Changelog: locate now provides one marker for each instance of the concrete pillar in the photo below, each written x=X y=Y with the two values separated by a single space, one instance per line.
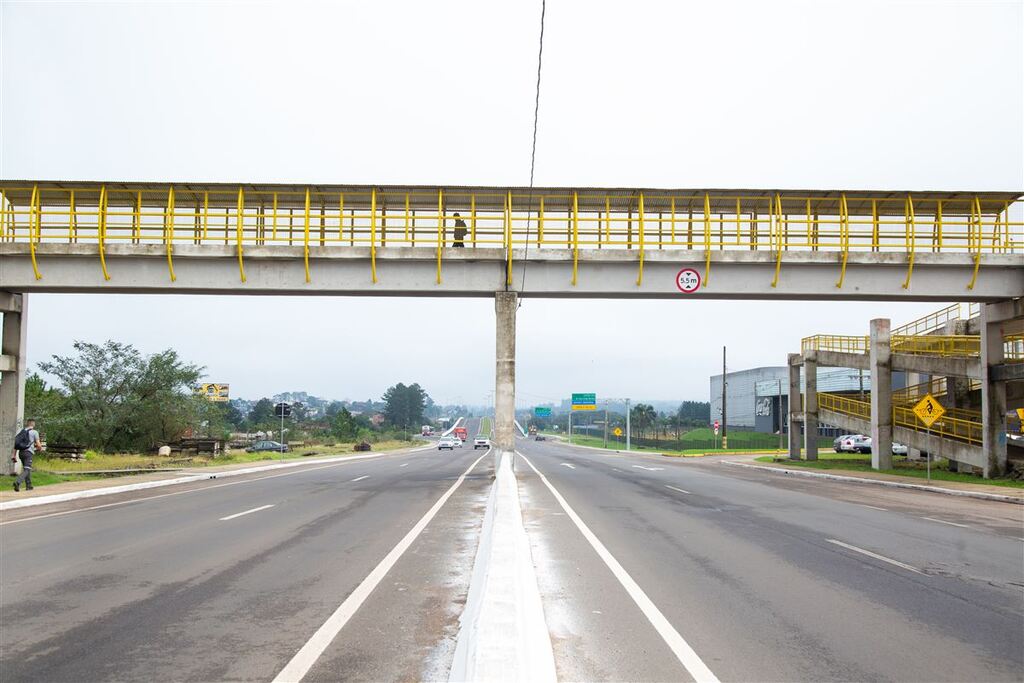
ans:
x=794 y=361
x=811 y=406
x=880 y=362
x=13 y=349
x=505 y=304
x=993 y=394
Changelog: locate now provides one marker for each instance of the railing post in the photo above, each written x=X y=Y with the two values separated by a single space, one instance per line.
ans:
x=880 y=362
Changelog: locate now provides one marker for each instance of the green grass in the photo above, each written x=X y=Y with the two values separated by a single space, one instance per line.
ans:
x=485 y=426
x=40 y=478
x=135 y=461
x=616 y=444
x=855 y=462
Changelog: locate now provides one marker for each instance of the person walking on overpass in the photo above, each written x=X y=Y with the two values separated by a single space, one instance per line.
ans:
x=26 y=444
x=460 y=231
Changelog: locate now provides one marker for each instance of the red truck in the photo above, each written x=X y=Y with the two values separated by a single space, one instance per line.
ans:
x=461 y=433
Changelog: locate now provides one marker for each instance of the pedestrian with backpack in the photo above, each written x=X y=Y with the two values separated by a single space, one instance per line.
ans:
x=26 y=444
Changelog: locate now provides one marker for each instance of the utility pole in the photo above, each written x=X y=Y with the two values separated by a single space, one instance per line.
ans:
x=725 y=421
x=570 y=424
x=606 y=425
x=627 y=425
x=779 y=382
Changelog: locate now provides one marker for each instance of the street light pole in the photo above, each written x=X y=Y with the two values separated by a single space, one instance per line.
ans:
x=628 y=432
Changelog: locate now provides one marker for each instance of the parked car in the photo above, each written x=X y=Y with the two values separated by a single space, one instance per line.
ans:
x=481 y=441
x=837 y=444
x=261 y=446
x=856 y=443
x=899 y=448
x=539 y=437
x=447 y=442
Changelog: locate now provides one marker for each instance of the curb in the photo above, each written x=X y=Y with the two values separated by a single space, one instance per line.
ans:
x=111 y=490
x=881 y=482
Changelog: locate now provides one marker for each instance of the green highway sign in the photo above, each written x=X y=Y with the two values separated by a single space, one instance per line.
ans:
x=542 y=412
x=584 y=401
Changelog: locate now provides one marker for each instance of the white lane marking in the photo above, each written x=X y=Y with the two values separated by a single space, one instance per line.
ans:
x=675 y=489
x=304 y=659
x=942 y=521
x=365 y=476
x=571 y=467
x=175 y=493
x=649 y=469
x=247 y=512
x=404 y=464
x=873 y=507
x=883 y=558
x=682 y=650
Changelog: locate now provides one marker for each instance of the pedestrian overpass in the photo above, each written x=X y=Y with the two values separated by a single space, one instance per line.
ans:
x=219 y=238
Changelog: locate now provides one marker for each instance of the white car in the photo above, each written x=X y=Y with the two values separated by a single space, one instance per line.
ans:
x=458 y=442
x=447 y=442
x=899 y=448
x=481 y=441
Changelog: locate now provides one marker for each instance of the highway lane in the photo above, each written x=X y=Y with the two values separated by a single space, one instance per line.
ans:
x=750 y=570
x=230 y=582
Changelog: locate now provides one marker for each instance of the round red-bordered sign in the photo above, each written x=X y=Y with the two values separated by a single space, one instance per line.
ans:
x=688 y=280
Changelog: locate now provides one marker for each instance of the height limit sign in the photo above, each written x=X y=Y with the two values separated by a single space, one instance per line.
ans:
x=688 y=280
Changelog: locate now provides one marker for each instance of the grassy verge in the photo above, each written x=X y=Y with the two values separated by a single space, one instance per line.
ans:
x=485 y=426
x=135 y=461
x=617 y=445
x=853 y=462
x=46 y=478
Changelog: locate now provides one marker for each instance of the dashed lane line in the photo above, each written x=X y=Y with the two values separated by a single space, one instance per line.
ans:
x=678 y=489
x=571 y=467
x=247 y=512
x=365 y=476
x=942 y=521
x=883 y=558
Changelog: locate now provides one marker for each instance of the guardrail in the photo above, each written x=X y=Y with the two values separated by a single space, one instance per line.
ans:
x=844 y=405
x=938 y=319
x=936 y=345
x=337 y=216
x=835 y=342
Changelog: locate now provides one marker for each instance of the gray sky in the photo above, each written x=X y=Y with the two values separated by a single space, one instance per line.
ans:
x=851 y=95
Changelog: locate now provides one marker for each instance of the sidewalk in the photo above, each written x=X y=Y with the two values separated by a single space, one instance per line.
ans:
x=959 y=487
x=7 y=493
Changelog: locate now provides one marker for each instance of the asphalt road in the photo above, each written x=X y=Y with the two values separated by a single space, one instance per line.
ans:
x=764 y=577
x=167 y=588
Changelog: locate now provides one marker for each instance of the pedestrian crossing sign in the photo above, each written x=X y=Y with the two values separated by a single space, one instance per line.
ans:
x=928 y=410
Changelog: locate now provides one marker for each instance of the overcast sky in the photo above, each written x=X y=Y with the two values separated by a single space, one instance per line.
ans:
x=825 y=95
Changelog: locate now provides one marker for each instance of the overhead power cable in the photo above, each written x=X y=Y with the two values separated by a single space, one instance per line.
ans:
x=533 y=147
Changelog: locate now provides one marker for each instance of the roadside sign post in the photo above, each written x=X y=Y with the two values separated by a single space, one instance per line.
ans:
x=581 y=402
x=282 y=410
x=928 y=410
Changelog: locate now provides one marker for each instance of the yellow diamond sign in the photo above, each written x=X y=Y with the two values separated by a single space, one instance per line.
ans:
x=617 y=431
x=928 y=410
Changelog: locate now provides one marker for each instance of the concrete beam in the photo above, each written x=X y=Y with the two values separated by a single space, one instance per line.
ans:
x=8 y=363
x=10 y=302
x=412 y=271
x=941 y=366
x=13 y=346
x=838 y=359
x=1008 y=372
x=795 y=418
x=879 y=351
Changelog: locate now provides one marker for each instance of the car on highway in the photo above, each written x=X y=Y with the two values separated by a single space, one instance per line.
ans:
x=261 y=446
x=448 y=442
x=481 y=441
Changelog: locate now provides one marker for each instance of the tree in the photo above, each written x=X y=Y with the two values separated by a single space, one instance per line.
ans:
x=641 y=417
x=45 y=404
x=262 y=414
x=404 y=405
x=117 y=399
x=344 y=425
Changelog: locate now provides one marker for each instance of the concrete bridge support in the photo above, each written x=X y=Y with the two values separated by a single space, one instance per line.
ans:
x=993 y=392
x=811 y=406
x=505 y=305
x=879 y=357
x=13 y=368
x=794 y=362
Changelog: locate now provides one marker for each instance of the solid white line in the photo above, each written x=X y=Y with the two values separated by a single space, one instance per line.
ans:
x=173 y=493
x=404 y=464
x=649 y=469
x=304 y=659
x=675 y=489
x=942 y=521
x=239 y=514
x=565 y=464
x=873 y=507
x=883 y=558
x=682 y=650
x=365 y=476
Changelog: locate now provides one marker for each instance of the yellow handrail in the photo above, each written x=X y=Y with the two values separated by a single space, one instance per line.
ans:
x=707 y=239
x=305 y=237
x=844 y=236
x=35 y=216
x=373 y=239
x=238 y=231
x=169 y=231
x=575 y=237
x=911 y=232
x=102 y=221
x=640 y=274
x=440 y=231
x=975 y=220
x=776 y=213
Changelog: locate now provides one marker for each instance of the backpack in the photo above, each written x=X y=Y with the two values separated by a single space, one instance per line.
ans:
x=23 y=441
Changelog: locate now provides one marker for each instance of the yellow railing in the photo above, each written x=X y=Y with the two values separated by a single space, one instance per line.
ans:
x=1013 y=348
x=937 y=345
x=961 y=425
x=936 y=386
x=835 y=342
x=543 y=218
x=842 y=404
x=938 y=319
